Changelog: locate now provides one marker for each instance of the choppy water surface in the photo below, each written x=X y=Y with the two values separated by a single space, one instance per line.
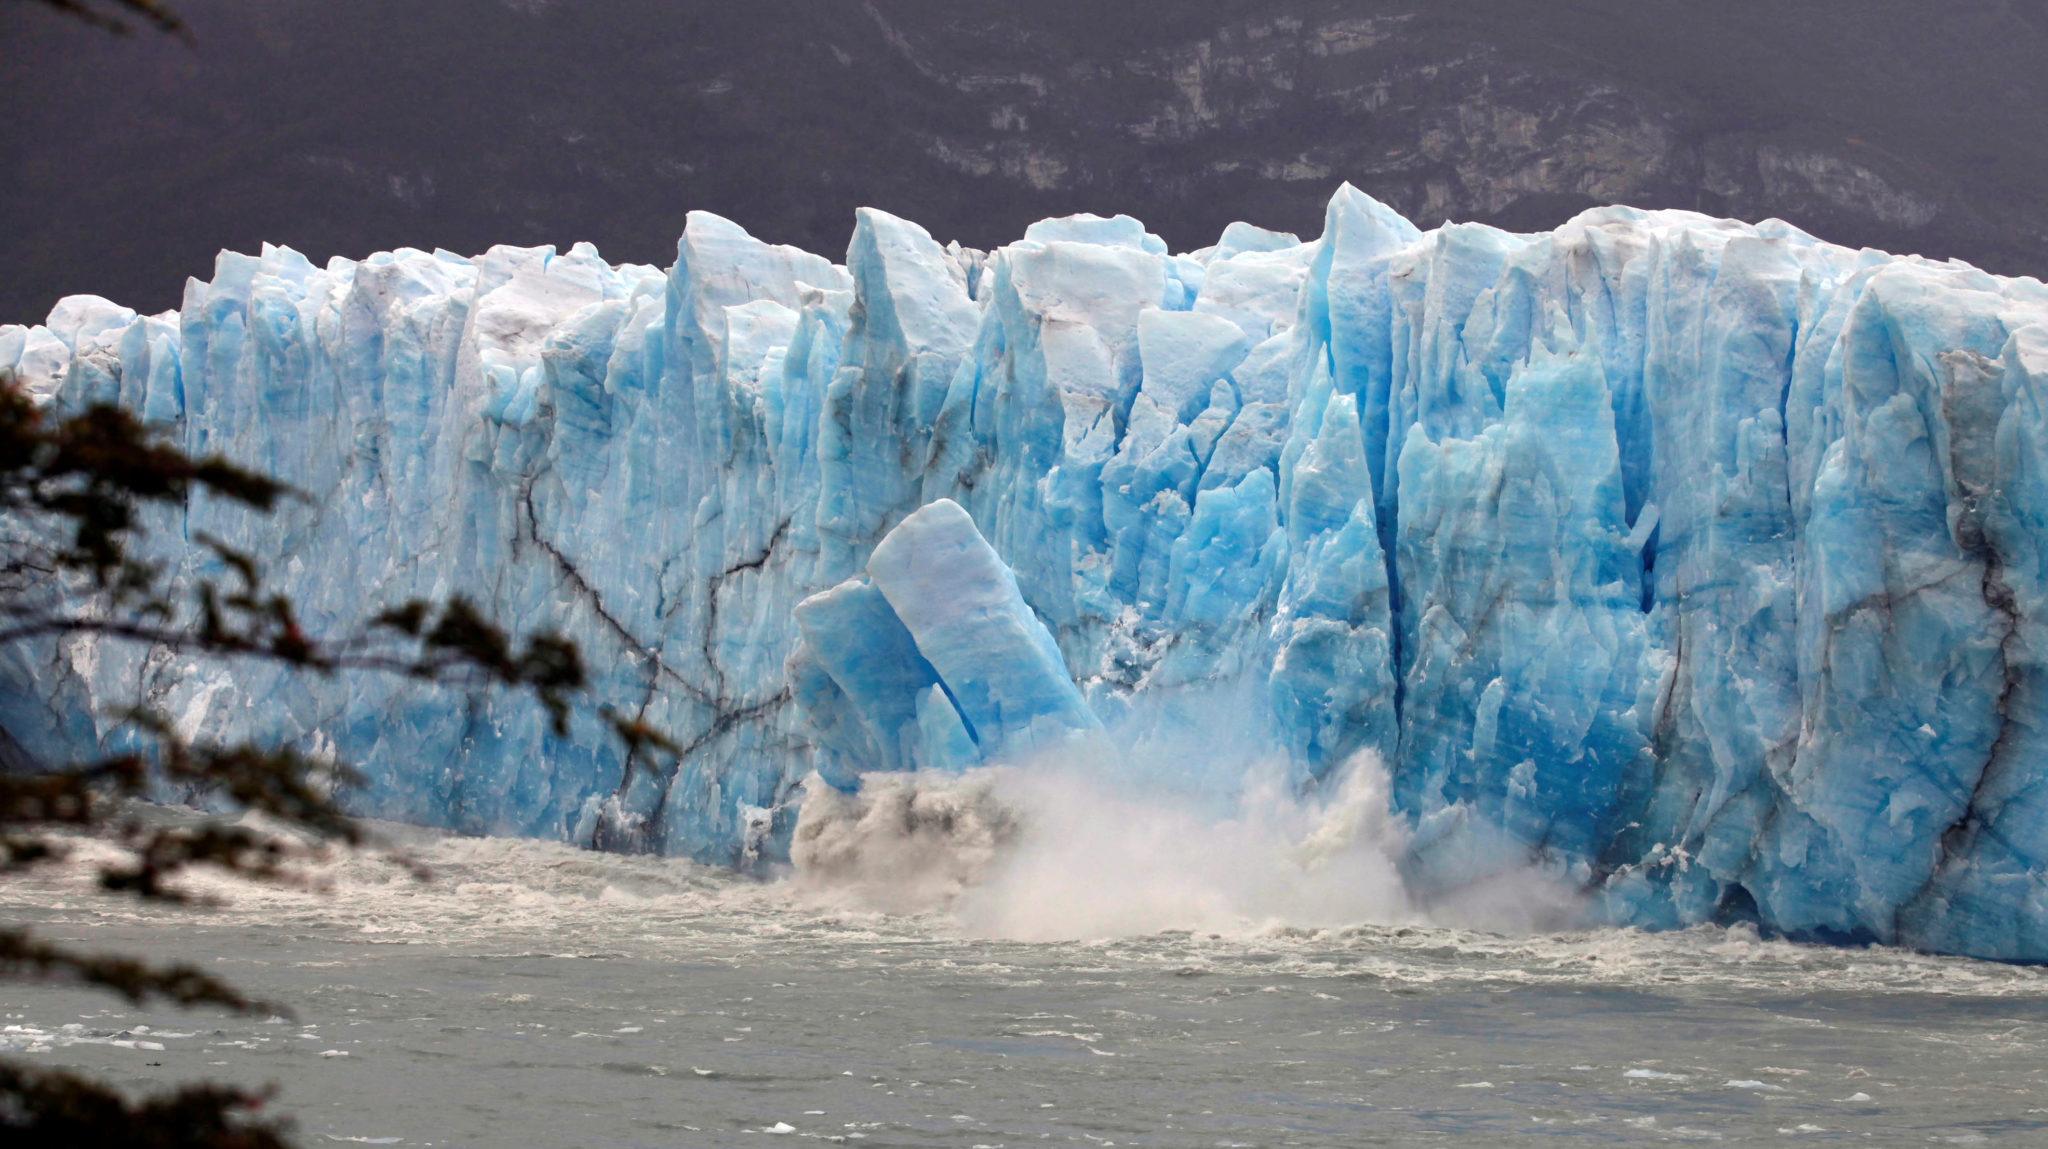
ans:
x=535 y=995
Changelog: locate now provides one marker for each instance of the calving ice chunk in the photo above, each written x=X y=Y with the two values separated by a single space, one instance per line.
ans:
x=932 y=659
x=1701 y=564
x=995 y=659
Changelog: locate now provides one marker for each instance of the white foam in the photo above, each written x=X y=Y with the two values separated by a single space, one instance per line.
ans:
x=1057 y=851
x=509 y=896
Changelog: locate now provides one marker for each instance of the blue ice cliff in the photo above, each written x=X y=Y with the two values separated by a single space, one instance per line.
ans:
x=1705 y=563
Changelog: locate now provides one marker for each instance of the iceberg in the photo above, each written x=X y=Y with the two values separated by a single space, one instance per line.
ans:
x=1702 y=563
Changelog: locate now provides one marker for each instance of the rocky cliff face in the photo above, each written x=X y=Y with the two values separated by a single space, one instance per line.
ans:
x=346 y=129
x=1498 y=112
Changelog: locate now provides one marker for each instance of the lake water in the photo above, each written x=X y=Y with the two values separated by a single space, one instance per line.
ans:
x=537 y=995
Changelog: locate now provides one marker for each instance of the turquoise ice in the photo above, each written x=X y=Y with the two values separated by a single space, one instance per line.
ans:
x=1702 y=563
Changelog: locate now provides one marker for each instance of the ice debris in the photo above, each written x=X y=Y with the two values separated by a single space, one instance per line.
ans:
x=1701 y=562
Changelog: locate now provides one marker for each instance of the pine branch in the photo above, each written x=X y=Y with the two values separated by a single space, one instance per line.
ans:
x=53 y=1109
x=24 y=957
x=76 y=489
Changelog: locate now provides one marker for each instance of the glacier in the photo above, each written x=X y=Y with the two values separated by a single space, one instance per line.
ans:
x=1703 y=563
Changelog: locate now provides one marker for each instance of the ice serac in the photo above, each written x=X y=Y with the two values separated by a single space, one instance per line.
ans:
x=996 y=660
x=1701 y=563
x=938 y=654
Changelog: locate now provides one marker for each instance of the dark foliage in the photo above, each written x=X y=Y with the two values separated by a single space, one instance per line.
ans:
x=73 y=492
x=51 y=1109
x=24 y=958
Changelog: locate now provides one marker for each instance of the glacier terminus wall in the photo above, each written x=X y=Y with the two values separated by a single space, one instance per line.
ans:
x=1704 y=562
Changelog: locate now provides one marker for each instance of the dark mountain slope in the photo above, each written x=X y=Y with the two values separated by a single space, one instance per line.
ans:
x=344 y=128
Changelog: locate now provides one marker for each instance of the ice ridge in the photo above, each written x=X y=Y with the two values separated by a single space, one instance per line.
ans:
x=1703 y=563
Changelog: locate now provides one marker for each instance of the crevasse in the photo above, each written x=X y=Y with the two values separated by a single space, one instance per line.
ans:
x=1701 y=562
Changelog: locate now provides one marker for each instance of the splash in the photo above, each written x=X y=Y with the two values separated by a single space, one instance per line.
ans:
x=905 y=843
x=1069 y=850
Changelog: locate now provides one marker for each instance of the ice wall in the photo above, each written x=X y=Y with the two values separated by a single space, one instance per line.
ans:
x=1700 y=561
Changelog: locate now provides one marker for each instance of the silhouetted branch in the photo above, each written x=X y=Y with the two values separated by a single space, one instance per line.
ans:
x=639 y=738
x=53 y=1109
x=152 y=12
x=78 y=486
x=24 y=957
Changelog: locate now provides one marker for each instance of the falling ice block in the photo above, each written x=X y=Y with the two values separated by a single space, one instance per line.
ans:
x=960 y=602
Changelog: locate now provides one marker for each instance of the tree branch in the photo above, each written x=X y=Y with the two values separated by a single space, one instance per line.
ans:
x=53 y=1109
x=153 y=12
x=27 y=958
